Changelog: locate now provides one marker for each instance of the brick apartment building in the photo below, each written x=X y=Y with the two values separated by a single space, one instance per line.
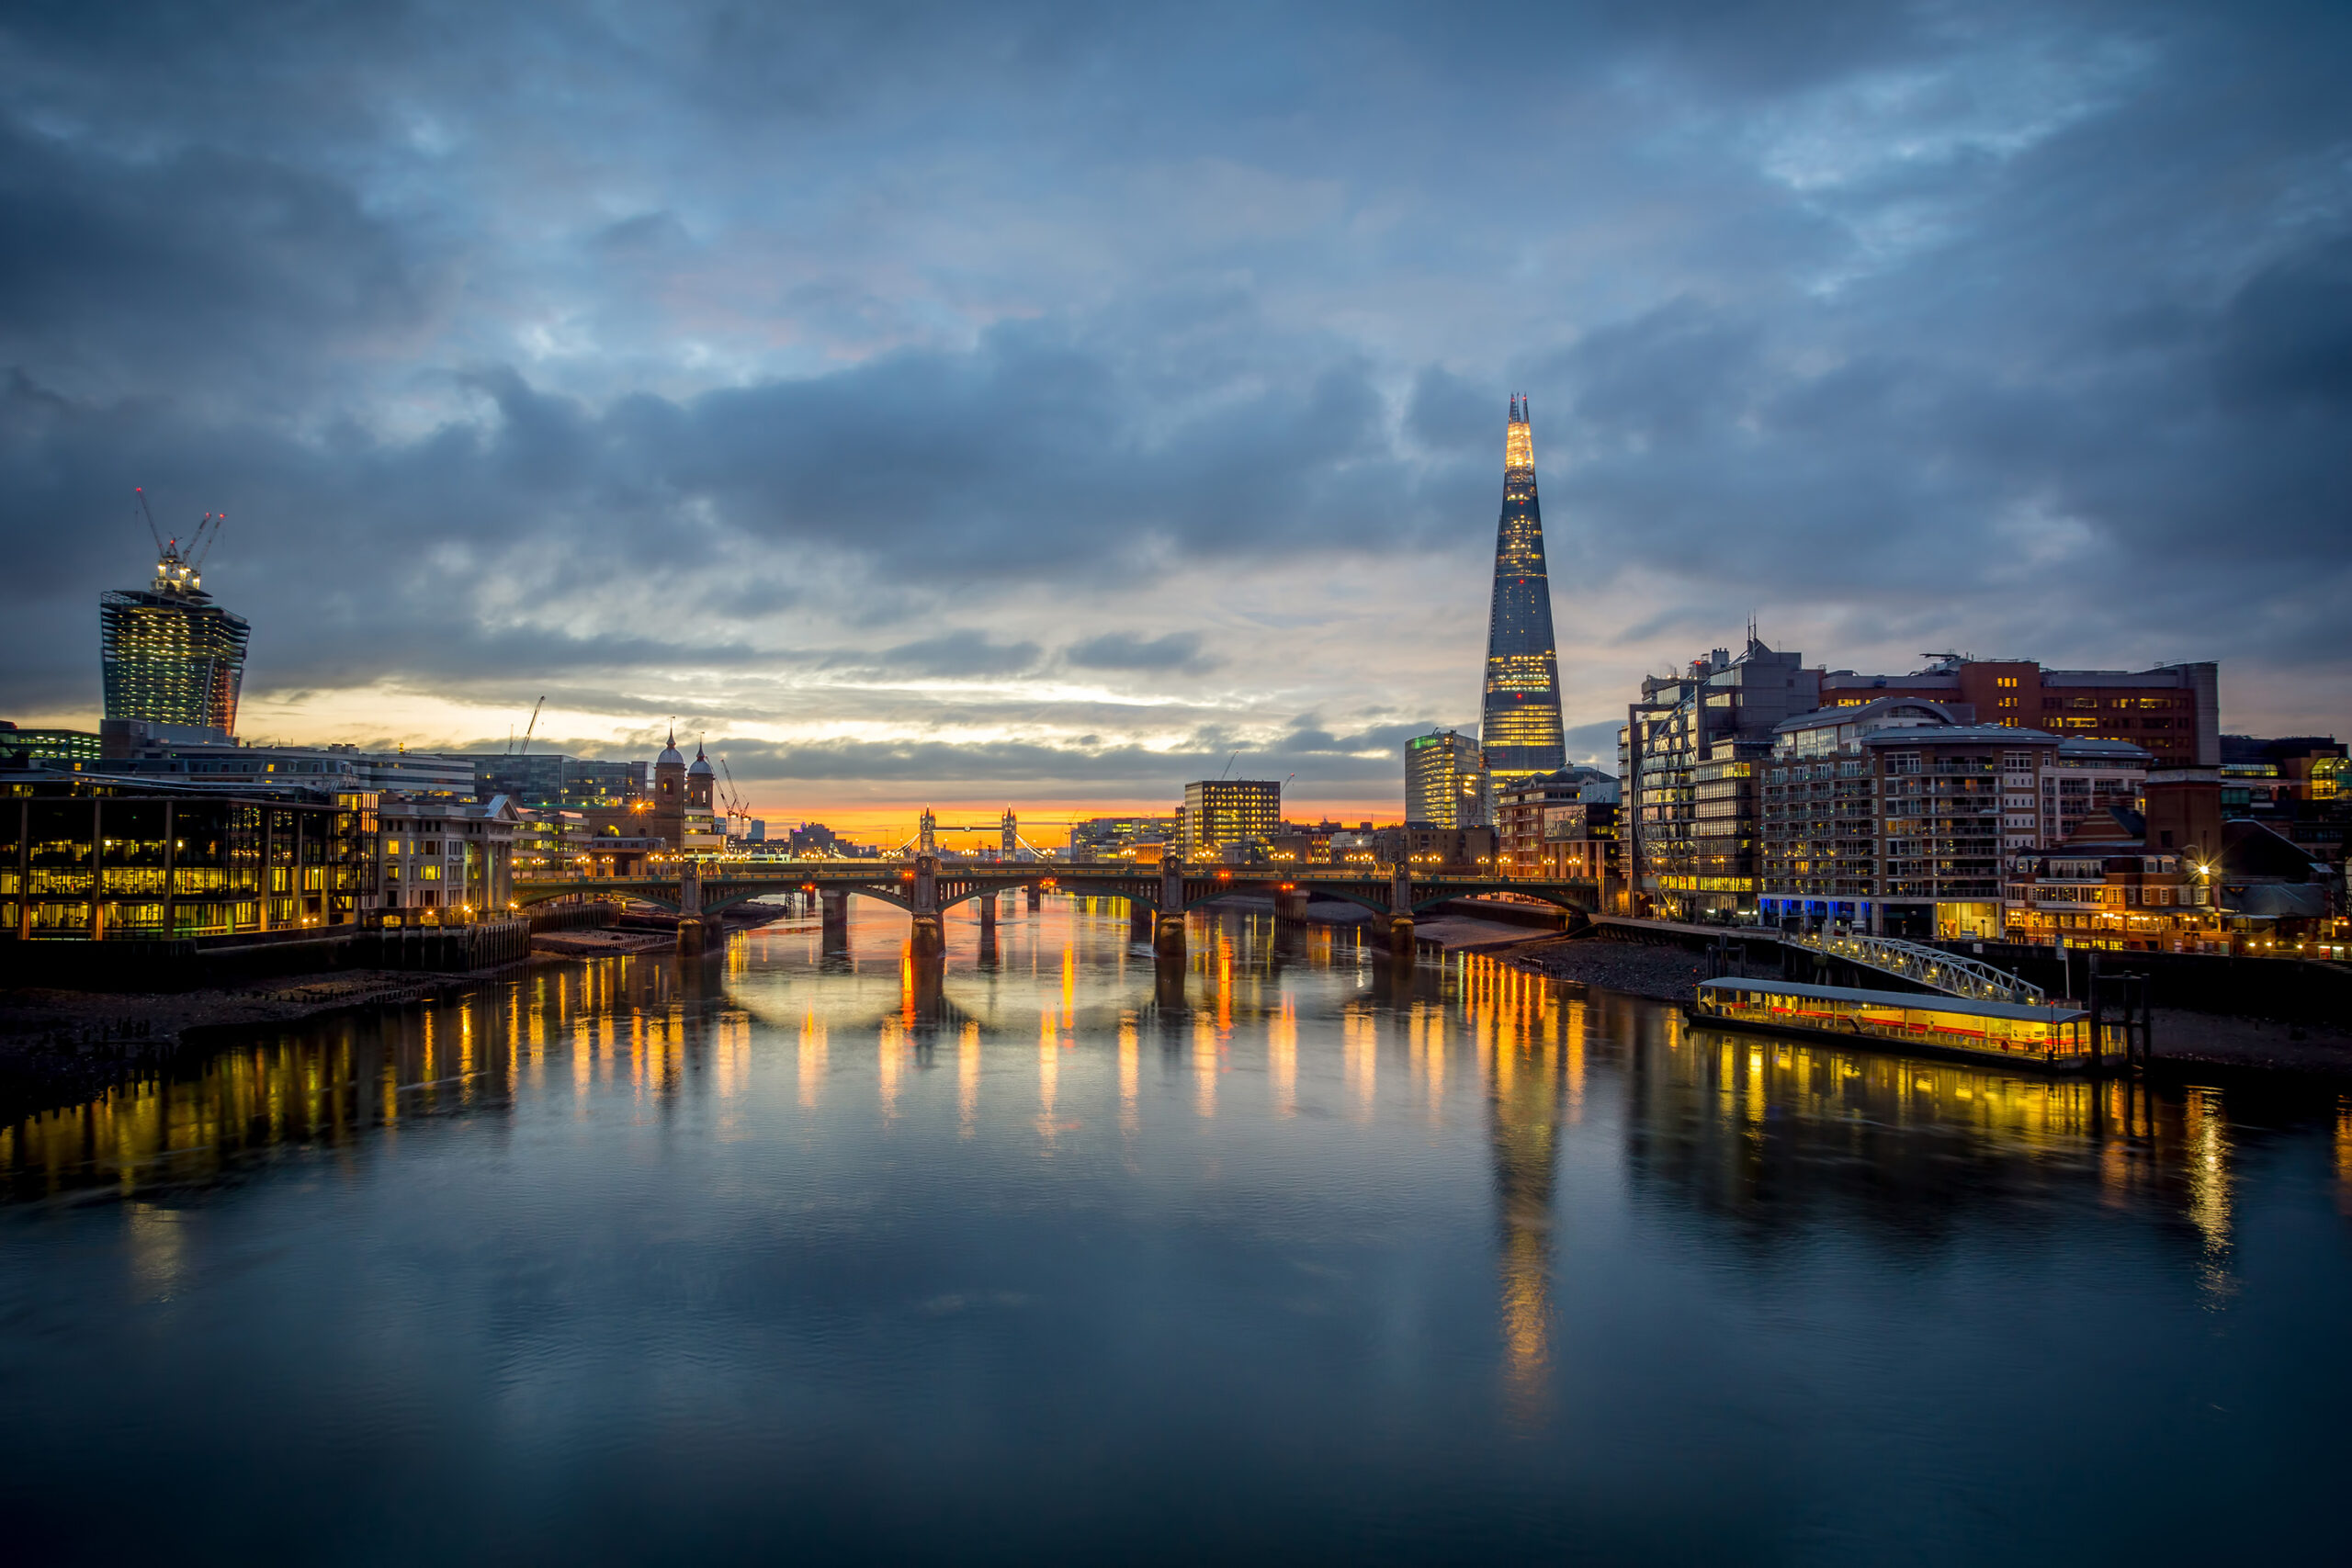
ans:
x=2172 y=711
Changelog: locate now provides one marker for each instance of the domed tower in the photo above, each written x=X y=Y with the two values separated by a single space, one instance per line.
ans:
x=698 y=782
x=669 y=780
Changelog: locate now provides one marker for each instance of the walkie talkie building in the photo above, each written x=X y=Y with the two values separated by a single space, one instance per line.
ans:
x=169 y=654
x=1522 y=733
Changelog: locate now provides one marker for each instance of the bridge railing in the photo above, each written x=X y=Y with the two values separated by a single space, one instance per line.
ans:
x=1929 y=967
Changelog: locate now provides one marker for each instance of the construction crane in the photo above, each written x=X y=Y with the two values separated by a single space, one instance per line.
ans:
x=513 y=749
x=180 y=569
x=732 y=799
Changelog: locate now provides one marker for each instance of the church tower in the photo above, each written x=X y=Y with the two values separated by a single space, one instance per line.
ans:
x=1522 y=733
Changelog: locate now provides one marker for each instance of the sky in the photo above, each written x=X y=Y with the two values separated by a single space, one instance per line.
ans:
x=1051 y=403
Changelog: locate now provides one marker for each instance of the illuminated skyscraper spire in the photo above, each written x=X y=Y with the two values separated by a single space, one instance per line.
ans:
x=1521 y=731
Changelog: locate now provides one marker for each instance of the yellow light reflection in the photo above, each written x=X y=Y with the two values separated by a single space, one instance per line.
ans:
x=813 y=1055
x=1282 y=1050
x=967 y=1079
x=1204 y=1066
x=1130 y=1073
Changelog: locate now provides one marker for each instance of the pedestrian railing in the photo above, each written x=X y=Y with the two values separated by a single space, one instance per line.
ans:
x=1929 y=967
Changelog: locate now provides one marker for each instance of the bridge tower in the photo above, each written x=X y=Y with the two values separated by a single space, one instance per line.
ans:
x=1009 y=836
x=927 y=833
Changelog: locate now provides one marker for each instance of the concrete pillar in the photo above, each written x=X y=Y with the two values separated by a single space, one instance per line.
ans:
x=929 y=936
x=1036 y=896
x=1138 y=921
x=1400 y=914
x=1290 y=906
x=693 y=938
x=1168 y=927
x=833 y=918
x=987 y=902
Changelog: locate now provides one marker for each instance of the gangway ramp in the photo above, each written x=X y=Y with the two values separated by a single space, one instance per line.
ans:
x=1921 y=964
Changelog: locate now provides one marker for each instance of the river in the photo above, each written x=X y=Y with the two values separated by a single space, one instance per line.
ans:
x=1053 y=1253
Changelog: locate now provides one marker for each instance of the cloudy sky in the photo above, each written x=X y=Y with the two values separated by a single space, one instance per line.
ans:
x=1044 y=401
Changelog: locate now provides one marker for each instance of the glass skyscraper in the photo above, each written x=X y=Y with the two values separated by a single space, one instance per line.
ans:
x=1522 y=733
x=169 y=654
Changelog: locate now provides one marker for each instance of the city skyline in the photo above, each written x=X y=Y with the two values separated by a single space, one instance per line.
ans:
x=1059 y=459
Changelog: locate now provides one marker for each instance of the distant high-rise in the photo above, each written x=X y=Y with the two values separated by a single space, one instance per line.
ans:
x=1522 y=734
x=169 y=655
x=1445 y=782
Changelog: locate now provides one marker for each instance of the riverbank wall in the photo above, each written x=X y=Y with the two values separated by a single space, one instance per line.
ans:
x=191 y=964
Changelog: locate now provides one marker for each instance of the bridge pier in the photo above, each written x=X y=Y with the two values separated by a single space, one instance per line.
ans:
x=832 y=925
x=1168 y=925
x=1400 y=917
x=986 y=901
x=1139 y=923
x=1290 y=907
x=691 y=936
x=929 y=933
x=1036 y=896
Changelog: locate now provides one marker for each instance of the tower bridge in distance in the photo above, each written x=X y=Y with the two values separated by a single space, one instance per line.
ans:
x=927 y=887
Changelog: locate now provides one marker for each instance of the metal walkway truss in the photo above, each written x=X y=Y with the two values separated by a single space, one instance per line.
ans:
x=1929 y=967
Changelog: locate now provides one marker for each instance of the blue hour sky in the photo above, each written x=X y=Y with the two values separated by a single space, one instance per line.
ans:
x=1044 y=402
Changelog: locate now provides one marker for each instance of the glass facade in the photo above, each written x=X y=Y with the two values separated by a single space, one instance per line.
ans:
x=1218 y=812
x=174 y=659
x=1445 y=782
x=88 y=858
x=1520 y=733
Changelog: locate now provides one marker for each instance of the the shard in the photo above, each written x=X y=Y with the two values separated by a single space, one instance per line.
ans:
x=1520 y=733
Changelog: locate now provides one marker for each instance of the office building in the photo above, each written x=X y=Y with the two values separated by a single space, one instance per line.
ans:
x=1426 y=850
x=1687 y=760
x=1580 y=844
x=1521 y=732
x=550 y=778
x=1222 y=818
x=1900 y=817
x=447 y=862
x=2172 y=711
x=1098 y=838
x=168 y=654
x=69 y=750
x=95 y=857
x=1521 y=807
x=1446 y=783
x=135 y=747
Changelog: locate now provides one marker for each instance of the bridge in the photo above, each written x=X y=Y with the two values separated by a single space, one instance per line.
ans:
x=926 y=887
x=1929 y=967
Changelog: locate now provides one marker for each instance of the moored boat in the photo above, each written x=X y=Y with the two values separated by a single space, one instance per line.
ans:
x=2046 y=1038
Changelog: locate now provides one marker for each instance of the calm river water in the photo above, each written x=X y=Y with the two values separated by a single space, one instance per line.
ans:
x=805 y=1258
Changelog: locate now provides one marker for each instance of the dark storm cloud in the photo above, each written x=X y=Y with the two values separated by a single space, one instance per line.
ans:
x=522 y=342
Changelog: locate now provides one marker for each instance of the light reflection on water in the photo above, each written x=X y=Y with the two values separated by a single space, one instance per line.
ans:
x=1051 y=1243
